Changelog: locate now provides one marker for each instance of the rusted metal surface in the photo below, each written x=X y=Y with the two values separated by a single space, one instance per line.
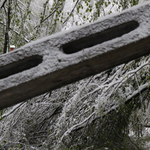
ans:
x=63 y=58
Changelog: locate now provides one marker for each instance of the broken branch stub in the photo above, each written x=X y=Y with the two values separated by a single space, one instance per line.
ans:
x=63 y=58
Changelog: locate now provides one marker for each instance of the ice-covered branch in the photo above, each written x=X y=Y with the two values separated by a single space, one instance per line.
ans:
x=43 y=20
x=11 y=111
x=71 y=11
x=77 y=126
x=25 y=39
x=3 y=4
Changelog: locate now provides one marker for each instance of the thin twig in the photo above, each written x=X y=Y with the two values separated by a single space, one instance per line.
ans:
x=71 y=12
x=46 y=18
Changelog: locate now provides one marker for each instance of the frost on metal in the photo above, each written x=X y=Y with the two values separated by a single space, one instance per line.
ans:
x=66 y=57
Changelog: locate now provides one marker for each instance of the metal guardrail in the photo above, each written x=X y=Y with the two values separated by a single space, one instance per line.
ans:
x=63 y=58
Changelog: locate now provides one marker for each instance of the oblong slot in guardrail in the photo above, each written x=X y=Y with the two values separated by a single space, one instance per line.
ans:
x=21 y=65
x=98 y=38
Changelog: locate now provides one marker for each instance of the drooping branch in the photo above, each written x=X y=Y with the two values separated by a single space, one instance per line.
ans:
x=78 y=126
x=12 y=110
x=113 y=107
